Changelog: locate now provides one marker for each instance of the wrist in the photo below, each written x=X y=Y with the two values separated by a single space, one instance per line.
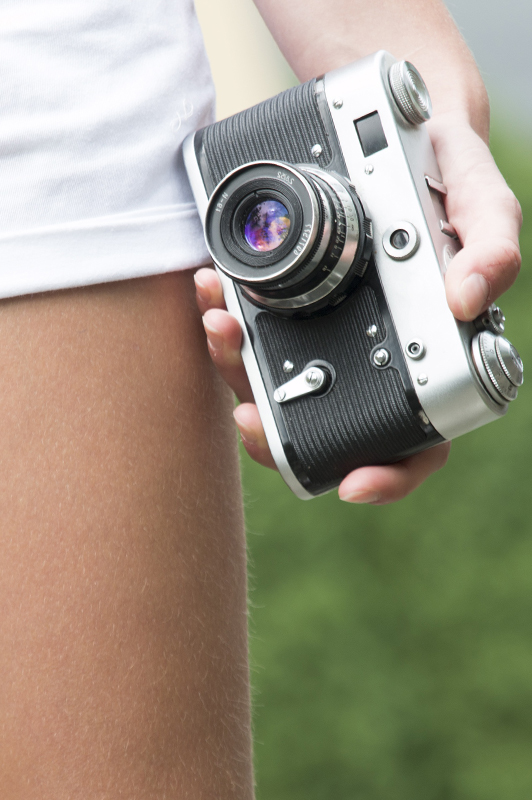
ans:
x=454 y=132
x=459 y=99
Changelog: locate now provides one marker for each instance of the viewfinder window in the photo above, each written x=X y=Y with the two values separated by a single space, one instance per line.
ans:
x=371 y=134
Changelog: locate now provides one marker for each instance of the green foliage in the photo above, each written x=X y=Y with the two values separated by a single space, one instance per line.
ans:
x=392 y=646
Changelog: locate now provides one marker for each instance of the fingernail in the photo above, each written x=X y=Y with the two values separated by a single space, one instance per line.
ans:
x=361 y=496
x=214 y=336
x=201 y=290
x=248 y=436
x=474 y=293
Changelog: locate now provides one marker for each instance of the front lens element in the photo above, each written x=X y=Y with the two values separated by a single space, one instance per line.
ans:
x=267 y=225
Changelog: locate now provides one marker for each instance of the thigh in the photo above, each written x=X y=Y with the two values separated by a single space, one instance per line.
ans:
x=123 y=654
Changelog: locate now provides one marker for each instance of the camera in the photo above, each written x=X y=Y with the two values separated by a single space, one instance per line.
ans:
x=324 y=213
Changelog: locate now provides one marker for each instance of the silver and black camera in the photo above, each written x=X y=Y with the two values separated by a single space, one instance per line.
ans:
x=324 y=214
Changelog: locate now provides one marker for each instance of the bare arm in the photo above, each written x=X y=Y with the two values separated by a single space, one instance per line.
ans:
x=316 y=37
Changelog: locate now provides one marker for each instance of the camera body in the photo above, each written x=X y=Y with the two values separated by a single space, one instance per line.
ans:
x=324 y=214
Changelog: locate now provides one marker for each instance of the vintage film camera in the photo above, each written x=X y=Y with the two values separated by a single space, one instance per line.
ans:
x=324 y=214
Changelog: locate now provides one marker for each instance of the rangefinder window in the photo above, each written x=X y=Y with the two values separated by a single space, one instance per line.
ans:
x=371 y=134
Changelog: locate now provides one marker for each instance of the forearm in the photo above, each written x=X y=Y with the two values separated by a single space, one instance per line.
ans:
x=316 y=37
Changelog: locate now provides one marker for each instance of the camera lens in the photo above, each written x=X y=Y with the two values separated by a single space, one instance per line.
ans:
x=295 y=237
x=267 y=225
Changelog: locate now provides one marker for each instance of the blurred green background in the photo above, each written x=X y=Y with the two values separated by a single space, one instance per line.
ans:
x=392 y=647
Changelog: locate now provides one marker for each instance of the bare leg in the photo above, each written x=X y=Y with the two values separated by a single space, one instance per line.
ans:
x=123 y=650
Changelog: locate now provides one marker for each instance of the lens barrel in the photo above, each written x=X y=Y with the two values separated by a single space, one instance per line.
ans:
x=295 y=237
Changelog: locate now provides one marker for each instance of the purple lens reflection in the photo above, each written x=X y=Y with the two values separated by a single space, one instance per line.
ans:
x=267 y=225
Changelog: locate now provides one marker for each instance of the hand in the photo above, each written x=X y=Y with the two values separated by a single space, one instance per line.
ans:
x=224 y=337
x=485 y=214
x=487 y=218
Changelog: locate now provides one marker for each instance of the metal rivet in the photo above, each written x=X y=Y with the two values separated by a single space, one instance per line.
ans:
x=400 y=240
x=314 y=377
x=498 y=316
x=499 y=319
x=368 y=169
x=372 y=331
x=422 y=379
x=423 y=417
x=317 y=150
x=415 y=349
x=338 y=103
x=288 y=366
x=280 y=395
x=381 y=357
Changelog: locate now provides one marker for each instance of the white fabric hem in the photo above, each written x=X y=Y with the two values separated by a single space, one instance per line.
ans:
x=100 y=250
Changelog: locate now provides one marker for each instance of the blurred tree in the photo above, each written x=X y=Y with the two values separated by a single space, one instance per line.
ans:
x=246 y=63
x=392 y=646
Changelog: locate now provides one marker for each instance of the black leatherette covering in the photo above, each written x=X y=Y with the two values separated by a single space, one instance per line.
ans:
x=366 y=417
x=284 y=128
x=371 y=415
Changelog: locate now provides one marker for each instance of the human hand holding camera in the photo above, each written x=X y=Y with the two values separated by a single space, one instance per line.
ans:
x=486 y=217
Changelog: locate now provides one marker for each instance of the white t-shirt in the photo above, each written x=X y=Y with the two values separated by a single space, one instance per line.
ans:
x=96 y=99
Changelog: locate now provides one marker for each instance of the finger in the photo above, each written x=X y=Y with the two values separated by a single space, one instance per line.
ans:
x=208 y=290
x=387 y=484
x=253 y=438
x=224 y=340
x=479 y=274
x=487 y=218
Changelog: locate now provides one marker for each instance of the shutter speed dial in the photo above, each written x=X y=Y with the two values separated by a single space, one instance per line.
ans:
x=499 y=366
x=410 y=92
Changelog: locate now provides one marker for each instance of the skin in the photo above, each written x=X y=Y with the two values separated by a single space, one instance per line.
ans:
x=123 y=632
x=479 y=204
x=123 y=625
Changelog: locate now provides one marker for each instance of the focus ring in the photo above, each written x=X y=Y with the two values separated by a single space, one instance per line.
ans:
x=315 y=256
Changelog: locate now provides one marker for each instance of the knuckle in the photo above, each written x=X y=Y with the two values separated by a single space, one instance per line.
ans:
x=511 y=260
x=514 y=208
x=510 y=206
x=504 y=264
